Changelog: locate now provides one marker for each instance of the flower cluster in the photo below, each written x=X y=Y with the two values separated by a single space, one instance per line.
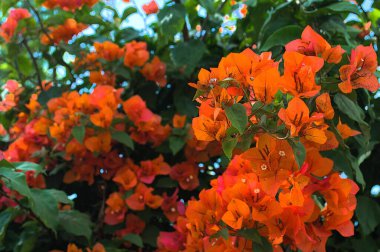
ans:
x=134 y=54
x=68 y=5
x=283 y=189
x=9 y=27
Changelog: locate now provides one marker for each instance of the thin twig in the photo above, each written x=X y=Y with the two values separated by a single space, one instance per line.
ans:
x=25 y=43
x=46 y=32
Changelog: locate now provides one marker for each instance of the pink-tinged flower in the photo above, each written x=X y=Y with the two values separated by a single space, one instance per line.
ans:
x=170 y=241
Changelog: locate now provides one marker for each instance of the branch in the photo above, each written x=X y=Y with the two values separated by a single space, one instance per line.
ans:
x=25 y=43
x=45 y=31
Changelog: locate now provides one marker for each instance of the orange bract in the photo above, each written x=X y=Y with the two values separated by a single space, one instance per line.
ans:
x=360 y=73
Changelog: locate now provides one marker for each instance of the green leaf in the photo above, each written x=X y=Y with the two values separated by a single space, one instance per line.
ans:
x=282 y=36
x=134 y=239
x=6 y=216
x=350 y=108
x=299 y=151
x=15 y=181
x=25 y=64
x=28 y=237
x=75 y=223
x=221 y=233
x=45 y=206
x=166 y=182
x=171 y=20
x=238 y=116
x=182 y=58
x=260 y=243
x=176 y=144
x=368 y=213
x=230 y=141
x=343 y=7
x=128 y=11
x=45 y=96
x=79 y=133
x=60 y=196
x=123 y=138
x=28 y=166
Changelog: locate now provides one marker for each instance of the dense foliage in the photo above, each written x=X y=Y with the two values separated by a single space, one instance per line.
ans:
x=115 y=138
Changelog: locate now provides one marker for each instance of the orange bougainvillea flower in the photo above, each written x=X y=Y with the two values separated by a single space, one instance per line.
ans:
x=313 y=44
x=266 y=85
x=318 y=165
x=179 y=121
x=186 y=174
x=103 y=78
x=125 y=177
x=116 y=209
x=136 y=54
x=99 y=143
x=64 y=32
x=299 y=74
x=149 y=169
x=345 y=131
x=143 y=196
x=323 y=103
x=360 y=73
x=108 y=50
x=238 y=211
x=155 y=71
x=70 y=5
x=296 y=115
x=207 y=129
x=150 y=8
x=103 y=118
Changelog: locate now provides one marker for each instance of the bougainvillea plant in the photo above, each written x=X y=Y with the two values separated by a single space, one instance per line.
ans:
x=189 y=125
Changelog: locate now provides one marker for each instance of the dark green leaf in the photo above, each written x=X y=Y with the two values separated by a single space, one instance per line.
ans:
x=182 y=58
x=75 y=223
x=238 y=116
x=176 y=144
x=134 y=239
x=299 y=151
x=343 y=7
x=123 y=138
x=171 y=20
x=350 y=108
x=282 y=36
x=6 y=216
x=368 y=213
x=79 y=133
